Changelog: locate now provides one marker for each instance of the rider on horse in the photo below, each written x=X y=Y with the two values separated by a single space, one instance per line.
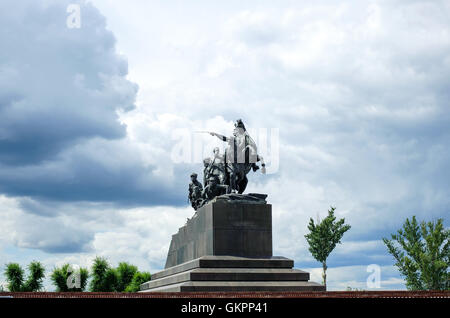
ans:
x=240 y=156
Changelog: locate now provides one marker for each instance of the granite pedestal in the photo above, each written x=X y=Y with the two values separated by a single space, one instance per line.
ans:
x=223 y=228
x=227 y=246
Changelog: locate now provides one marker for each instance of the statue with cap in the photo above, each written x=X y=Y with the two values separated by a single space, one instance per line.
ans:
x=195 y=192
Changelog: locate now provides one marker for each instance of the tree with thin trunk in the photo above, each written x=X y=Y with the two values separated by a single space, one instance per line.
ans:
x=323 y=238
x=422 y=254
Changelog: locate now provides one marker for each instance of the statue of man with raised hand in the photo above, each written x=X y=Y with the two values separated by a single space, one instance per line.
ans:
x=240 y=156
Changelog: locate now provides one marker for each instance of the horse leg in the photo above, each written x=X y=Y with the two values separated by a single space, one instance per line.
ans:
x=233 y=181
x=242 y=185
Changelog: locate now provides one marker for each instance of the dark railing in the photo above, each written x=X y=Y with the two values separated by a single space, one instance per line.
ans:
x=328 y=294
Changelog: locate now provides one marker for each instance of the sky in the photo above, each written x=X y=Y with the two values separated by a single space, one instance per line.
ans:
x=348 y=102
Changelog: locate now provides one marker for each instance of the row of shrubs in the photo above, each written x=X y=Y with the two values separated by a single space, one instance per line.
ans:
x=101 y=277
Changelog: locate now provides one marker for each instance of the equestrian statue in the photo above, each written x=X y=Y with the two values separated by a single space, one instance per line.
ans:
x=227 y=173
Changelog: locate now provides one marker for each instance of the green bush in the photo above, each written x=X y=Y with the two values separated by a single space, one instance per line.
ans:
x=125 y=274
x=104 y=278
x=138 y=279
x=14 y=277
x=61 y=275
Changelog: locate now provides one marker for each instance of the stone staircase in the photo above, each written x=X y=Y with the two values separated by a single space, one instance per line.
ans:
x=231 y=274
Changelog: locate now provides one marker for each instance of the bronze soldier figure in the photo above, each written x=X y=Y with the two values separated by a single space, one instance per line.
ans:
x=213 y=189
x=223 y=174
x=195 y=192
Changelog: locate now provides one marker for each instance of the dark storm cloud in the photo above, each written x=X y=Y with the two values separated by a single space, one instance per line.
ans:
x=60 y=90
x=88 y=174
x=57 y=85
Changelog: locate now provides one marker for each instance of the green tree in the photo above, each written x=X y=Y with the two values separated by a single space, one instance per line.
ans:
x=35 y=277
x=124 y=278
x=14 y=276
x=104 y=277
x=138 y=279
x=324 y=236
x=422 y=254
x=111 y=280
x=61 y=275
x=125 y=274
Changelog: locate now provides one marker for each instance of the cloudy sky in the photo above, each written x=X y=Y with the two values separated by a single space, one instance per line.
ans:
x=348 y=100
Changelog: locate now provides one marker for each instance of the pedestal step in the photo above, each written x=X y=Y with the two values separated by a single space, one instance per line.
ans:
x=230 y=273
x=239 y=287
x=227 y=262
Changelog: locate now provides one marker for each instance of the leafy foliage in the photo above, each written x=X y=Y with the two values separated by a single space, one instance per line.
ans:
x=60 y=277
x=111 y=280
x=125 y=274
x=422 y=254
x=124 y=278
x=35 y=277
x=14 y=276
x=324 y=236
x=104 y=278
x=138 y=279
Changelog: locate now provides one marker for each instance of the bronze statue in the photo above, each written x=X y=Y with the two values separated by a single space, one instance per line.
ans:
x=227 y=173
x=240 y=156
x=214 y=189
x=195 y=192
x=216 y=166
x=206 y=170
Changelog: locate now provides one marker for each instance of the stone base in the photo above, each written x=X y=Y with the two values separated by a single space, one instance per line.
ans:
x=221 y=227
x=230 y=273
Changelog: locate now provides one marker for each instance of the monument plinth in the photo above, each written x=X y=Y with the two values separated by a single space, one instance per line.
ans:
x=224 y=228
x=227 y=246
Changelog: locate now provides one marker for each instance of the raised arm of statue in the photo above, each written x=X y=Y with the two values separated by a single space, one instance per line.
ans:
x=221 y=137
